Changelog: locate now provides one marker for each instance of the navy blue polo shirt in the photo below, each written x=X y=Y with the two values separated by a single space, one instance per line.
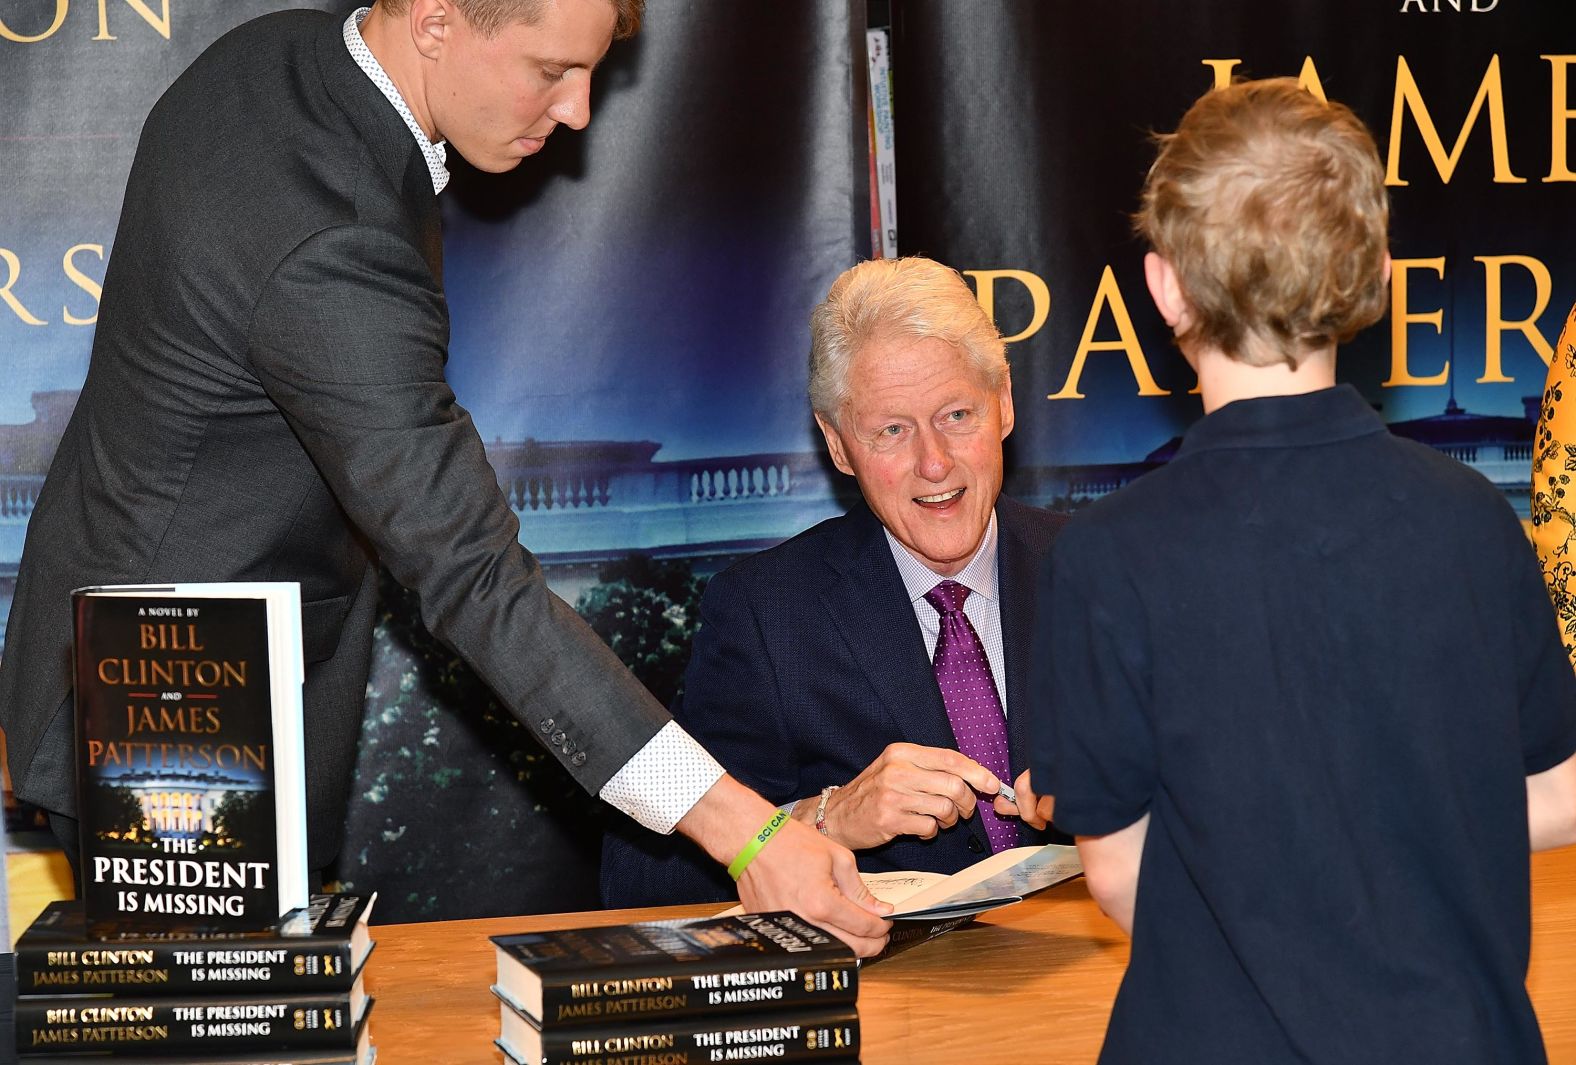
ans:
x=1323 y=660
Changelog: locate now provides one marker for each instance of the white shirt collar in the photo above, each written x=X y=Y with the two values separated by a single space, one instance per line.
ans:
x=436 y=155
x=979 y=576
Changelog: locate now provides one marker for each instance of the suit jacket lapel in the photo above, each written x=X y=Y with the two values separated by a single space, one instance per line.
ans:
x=387 y=139
x=870 y=608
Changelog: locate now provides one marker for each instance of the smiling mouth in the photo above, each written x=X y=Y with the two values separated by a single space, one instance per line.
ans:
x=941 y=499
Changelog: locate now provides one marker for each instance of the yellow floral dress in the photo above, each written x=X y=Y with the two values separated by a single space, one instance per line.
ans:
x=1553 y=489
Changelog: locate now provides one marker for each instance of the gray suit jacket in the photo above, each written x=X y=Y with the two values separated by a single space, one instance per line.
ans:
x=266 y=401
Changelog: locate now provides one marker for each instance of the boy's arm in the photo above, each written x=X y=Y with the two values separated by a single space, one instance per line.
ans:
x=1551 y=806
x=1111 y=866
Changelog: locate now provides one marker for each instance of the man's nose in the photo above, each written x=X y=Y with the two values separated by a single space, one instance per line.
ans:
x=573 y=106
x=935 y=457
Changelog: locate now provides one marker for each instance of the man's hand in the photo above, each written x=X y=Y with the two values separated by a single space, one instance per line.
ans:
x=908 y=791
x=1034 y=810
x=796 y=870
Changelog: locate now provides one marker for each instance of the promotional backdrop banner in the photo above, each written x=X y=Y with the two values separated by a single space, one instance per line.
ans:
x=1023 y=137
x=629 y=315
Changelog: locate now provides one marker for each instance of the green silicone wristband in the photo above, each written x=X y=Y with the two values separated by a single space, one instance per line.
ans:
x=751 y=849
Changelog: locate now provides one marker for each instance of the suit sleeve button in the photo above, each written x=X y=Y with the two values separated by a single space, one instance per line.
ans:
x=579 y=759
x=546 y=726
x=976 y=846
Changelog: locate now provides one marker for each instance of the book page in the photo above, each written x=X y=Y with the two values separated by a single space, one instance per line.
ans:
x=1005 y=877
x=897 y=888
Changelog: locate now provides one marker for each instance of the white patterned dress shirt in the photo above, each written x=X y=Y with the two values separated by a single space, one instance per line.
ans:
x=982 y=607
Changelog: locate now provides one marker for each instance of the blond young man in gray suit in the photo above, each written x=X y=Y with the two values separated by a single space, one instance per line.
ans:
x=266 y=401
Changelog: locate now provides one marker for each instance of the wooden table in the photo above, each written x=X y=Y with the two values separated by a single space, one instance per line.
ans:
x=1032 y=982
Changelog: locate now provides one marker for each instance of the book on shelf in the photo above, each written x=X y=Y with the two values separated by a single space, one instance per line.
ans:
x=878 y=53
x=319 y=947
x=191 y=782
x=169 y=1027
x=624 y=973
x=793 y=1035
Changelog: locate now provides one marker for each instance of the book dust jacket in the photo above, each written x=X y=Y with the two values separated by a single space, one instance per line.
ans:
x=175 y=762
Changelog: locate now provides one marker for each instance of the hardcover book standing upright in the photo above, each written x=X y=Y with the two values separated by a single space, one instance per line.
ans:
x=190 y=777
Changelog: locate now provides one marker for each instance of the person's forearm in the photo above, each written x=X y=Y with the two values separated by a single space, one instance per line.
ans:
x=725 y=818
x=1111 y=865
x=1551 y=806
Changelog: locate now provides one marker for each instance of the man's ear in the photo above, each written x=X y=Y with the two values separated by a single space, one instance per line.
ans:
x=834 y=445
x=431 y=22
x=1166 y=290
x=1004 y=396
x=1387 y=265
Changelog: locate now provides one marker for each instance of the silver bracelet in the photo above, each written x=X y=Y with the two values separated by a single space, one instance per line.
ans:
x=820 y=809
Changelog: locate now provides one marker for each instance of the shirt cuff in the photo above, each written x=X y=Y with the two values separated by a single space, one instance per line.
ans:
x=664 y=779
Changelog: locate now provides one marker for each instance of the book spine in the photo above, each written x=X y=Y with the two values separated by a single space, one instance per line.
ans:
x=760 y=1038
x=879 y=51
x=688 y=992
x=181 y=968
x=909 y=934
x=154 y=1027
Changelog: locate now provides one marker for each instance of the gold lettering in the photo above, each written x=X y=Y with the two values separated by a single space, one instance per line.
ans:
x=82 y=281
x=1222 y=69
x=60 y=18
x=1496 y=325
x=1400 y=318
x=169 y=637
x=985 y=292
x=13 y=272
x=1110 y=295
x=1308 y=78
x=1562 y=112
x=1409 y=98
x=141 y=8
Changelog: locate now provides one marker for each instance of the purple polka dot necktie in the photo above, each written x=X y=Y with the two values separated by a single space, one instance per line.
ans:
x=969 y=694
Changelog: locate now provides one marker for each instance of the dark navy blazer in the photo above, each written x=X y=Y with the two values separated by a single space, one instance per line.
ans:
x=808 y=663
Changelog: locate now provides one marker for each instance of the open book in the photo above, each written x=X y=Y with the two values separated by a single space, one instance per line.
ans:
x=1004 y=878
x=929 y=904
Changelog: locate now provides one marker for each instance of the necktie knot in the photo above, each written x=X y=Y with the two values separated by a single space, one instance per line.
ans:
x=947 y=597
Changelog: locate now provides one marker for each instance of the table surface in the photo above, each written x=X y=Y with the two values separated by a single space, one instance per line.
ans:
x=1040 y=976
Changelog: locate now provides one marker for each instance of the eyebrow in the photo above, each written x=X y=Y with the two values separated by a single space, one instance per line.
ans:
x=569 y=64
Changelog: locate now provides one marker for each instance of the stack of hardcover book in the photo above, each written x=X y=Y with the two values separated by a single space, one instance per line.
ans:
x=735 y=988
x=293 y=993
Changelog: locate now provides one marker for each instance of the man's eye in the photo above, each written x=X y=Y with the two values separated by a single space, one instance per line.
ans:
x=553 y=75
x=957 y=415
x=891 y=430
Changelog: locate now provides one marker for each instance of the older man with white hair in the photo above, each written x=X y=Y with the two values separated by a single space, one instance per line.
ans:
x=867 y=672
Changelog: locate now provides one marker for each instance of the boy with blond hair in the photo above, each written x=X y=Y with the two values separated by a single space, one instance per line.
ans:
x=1303 y=685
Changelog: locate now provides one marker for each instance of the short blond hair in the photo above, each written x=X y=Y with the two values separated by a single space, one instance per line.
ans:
x=1270 y=205
x=909 y=297
x=490 y=16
